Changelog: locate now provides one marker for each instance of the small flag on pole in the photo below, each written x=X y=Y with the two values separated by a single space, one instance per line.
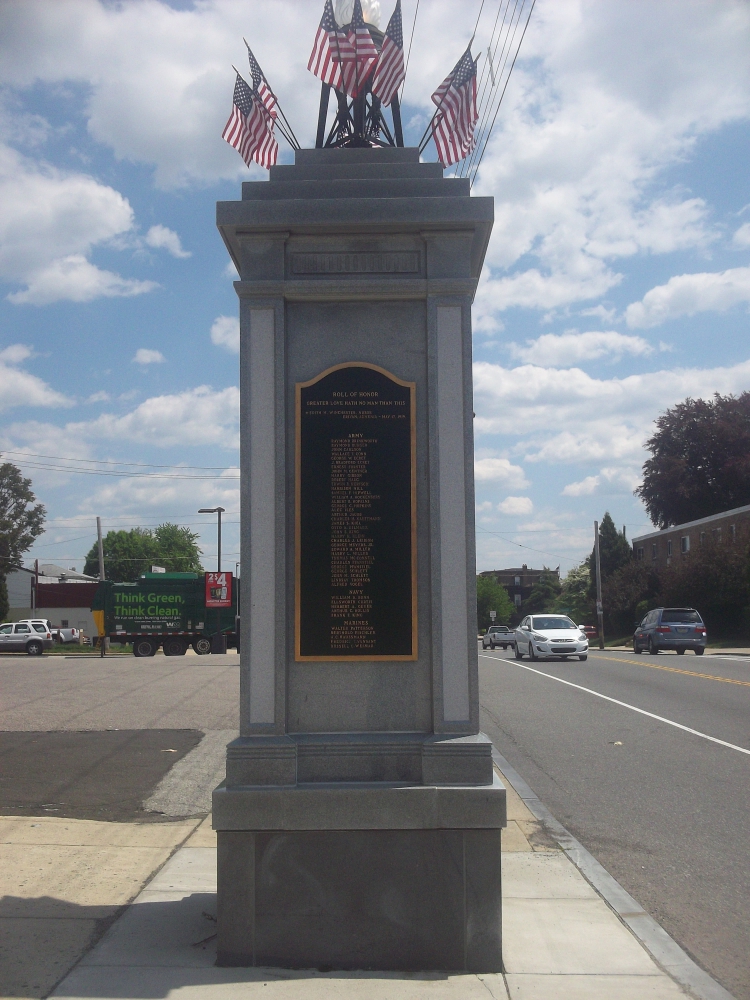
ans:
x=357 y=53
x=390 y=73
x=249 y=127
x=456 y=117
x=260 y=86
x=324 y=58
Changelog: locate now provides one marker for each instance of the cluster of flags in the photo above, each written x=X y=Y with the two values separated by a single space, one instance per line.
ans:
x=347 y=59
x=250 y=128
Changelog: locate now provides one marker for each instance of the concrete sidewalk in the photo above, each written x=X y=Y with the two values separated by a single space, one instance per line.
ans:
x=561 y=940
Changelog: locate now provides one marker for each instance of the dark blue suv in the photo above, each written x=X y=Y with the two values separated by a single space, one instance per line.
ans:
x=671 y=628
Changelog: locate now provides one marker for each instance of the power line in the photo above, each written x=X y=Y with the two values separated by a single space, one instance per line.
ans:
x=520 y=546
x=408 y=54
x=502 y=95
x=103 y=461
x=122 y=475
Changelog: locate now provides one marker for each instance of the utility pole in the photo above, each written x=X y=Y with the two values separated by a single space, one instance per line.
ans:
x=599 y=608
x=102 y=575
x=219 y=511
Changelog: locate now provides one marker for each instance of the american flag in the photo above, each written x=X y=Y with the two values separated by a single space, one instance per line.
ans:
x=249 y=127
x=357 y=53
x=454 y=121
x=390 y=73
x=324 y=59
x=260 y=86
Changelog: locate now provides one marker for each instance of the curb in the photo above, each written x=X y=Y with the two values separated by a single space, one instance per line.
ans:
x=662 y=948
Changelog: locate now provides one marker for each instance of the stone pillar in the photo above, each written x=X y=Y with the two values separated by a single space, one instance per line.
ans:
x=359 y=823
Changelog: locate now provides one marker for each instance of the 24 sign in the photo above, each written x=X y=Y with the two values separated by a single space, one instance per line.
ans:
x=218 y=590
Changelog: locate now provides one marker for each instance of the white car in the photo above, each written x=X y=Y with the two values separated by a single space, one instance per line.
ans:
x=542 y=636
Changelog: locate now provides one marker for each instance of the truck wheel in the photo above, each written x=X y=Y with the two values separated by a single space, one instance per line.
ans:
x=34 y=648
x=174 y=647
x=202 y=646
x=144 y=647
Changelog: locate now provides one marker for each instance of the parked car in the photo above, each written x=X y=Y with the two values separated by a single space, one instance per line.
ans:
x=540 y=636
x=671 y=628
x=64 y=635
x=591 y=631
x=39 y=624
x=497 y=635
x=24 y=637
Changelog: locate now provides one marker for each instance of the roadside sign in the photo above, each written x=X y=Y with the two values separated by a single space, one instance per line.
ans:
x=218 y=590
x=493 y=615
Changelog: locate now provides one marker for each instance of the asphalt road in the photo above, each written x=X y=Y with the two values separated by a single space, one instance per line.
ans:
x=118 y=738
x=665 y=810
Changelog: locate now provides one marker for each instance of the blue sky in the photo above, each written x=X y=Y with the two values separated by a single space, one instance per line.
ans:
x=617 y=280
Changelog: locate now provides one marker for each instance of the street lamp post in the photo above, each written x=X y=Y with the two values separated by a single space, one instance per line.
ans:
x=219 y=511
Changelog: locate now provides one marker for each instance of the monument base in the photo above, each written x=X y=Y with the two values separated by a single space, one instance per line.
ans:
x=360 y=876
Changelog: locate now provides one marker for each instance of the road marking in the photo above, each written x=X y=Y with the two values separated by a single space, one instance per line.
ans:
x=676 y=670
x=623 y=704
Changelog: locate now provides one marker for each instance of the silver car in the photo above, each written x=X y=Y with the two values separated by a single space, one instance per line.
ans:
x=542 y=636
x=497 y=635
x=25 y=637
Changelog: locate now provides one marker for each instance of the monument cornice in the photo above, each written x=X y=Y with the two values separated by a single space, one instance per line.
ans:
x=343 y=290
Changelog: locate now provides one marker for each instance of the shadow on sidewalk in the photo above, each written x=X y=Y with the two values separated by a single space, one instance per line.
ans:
x=161 y=943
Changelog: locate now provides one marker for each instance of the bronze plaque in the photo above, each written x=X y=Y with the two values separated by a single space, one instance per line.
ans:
x=355 y=550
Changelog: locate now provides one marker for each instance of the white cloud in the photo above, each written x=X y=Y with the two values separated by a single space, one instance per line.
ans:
x=19 y=388
x=688 y=294
x=742 y=236
x=77 y=280
x=146 y=356
x=225 y=332
x=517 y=506
x=14 y=354
x=201 y=416
x=99 y=397
x=162 y=238
x=584 y=488
x=582 y=139
x=159 y=78
x=567 y=416
x=500 y=470
x=563 y=350
x=157 y=494
x=49 y=222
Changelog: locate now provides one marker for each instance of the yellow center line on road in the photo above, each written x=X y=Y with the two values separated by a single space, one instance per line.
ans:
x=677 y=670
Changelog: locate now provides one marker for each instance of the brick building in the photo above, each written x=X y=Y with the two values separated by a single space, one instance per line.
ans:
x=520 y=581
x=660 y=548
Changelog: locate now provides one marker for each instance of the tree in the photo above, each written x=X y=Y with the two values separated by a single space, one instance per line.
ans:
x=614 y=552
x=544 y=594
x=700 y=460
x=492 y=597
x=128 y=554
x=574 y=599
x=714 y=581
x=626 y=592
x=21 y=521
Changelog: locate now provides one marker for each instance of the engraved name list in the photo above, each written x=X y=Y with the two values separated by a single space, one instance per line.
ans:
x=355 y=545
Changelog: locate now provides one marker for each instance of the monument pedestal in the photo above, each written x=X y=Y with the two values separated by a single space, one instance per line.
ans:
x=360 y=876
x=359 y=823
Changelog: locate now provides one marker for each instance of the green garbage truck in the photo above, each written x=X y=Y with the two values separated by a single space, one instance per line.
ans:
x=171 y=610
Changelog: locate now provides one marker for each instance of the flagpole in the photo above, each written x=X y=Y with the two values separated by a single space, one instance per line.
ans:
x=281 y=128
x=295 y=144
